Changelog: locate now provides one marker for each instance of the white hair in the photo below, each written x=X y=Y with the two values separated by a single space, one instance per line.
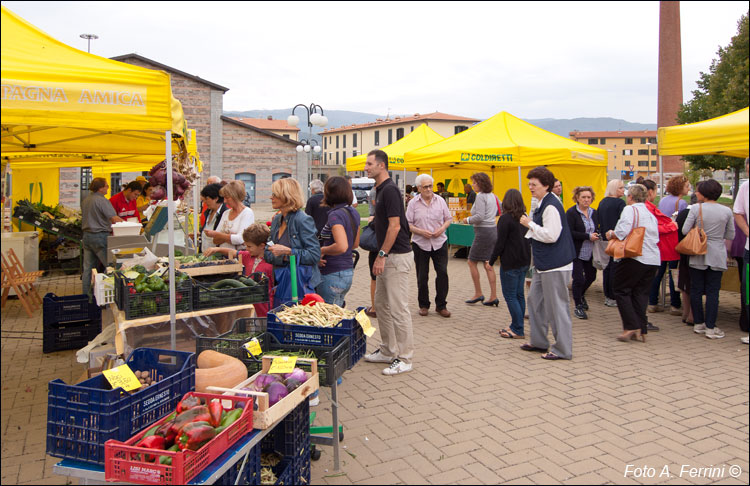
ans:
x=213 y=180
x=612 y=188
x=422 y=178
x=316 y=185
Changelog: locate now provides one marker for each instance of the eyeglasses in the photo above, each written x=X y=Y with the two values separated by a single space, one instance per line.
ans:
x=426 y=186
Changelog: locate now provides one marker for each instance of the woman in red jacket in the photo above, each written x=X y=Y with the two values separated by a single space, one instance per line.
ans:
x=668 y=239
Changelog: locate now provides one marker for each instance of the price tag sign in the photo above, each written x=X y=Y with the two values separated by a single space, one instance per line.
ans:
x=253 y=347
x=364 y=321
x=283 y=364
x=122 y=376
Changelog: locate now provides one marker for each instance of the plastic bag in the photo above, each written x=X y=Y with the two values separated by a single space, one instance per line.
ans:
x=282 y=292
x=599 y=258
x=145 y=258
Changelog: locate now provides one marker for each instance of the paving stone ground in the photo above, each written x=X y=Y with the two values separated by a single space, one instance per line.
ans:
x=476 y=409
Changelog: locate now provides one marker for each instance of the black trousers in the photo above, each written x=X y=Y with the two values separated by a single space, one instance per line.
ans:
x=439 y=259
x=632 y=285
x=584 y=275
x=608 y=280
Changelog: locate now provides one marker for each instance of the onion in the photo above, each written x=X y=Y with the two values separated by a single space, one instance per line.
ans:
x=296 y=374
x=292 y=384
x=276 y=391
x=158 y=193
x=263 y=380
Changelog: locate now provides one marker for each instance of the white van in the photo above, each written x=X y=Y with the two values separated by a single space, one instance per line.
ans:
x=361 y=187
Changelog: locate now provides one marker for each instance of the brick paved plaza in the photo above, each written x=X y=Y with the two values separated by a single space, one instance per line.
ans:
x=476 y=409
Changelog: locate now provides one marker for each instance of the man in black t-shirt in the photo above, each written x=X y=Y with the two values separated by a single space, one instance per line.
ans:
x=313 y=208
x=392 y=268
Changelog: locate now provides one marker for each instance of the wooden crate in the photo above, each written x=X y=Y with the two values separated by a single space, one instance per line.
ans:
x=266 y=416
x=210 y=269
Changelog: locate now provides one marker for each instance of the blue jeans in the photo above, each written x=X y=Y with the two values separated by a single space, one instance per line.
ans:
x=706 y=282
x=674 y=295
x=94 y=256
x=512 y=283
x=334 y=286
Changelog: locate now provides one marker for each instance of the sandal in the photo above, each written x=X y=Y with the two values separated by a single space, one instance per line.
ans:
x=552 y=356
x=508 y=334
x=529 y=347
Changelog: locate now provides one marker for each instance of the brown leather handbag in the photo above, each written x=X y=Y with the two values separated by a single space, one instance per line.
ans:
x=696 y=241
x=632 y=245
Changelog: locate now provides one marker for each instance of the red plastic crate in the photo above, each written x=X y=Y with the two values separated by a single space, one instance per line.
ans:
x=120 y=457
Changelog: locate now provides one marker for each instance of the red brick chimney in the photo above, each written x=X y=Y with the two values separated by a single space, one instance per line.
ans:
x=670 y=76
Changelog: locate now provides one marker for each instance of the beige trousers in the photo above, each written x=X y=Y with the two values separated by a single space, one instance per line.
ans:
x=392 y=305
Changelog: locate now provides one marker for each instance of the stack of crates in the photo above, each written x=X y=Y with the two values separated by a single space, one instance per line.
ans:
x=69 y=322
x=291 y=439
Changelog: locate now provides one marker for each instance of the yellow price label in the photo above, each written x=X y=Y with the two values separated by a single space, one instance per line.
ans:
x=253 y=347
x=122 y=376
x=283 y=364
x=364 y=322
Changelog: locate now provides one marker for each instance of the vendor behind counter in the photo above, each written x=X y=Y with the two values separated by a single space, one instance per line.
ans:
x=97 y=217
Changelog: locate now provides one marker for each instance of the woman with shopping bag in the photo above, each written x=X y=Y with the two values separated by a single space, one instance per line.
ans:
x=292 y=233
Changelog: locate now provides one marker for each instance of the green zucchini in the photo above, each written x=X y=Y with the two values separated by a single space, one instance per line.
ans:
x=228 y=283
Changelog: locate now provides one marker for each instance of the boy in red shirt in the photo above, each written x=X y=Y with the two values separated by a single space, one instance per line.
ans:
x=255 y=237
x=125 y=203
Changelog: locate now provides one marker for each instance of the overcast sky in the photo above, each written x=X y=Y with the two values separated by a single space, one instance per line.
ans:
x=533 y=59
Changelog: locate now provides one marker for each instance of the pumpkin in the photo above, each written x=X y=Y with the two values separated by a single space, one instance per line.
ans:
x=217 y=369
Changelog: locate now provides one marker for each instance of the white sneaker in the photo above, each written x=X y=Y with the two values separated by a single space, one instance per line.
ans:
x=377 y=357
x=714 y=333
x=610 y=302
x=397 y=367
x=699 y=328
x=745 y=339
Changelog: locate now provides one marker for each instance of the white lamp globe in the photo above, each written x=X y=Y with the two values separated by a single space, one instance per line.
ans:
x=307 y=148
x=315 y=119
x=292 y=120
x=316 y=149
x=323 y=120
x=299 y=148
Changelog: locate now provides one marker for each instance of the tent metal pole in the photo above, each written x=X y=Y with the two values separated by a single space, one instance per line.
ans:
x=196 y=214
x=668 y=273
x=519 y=178
x=170 y=231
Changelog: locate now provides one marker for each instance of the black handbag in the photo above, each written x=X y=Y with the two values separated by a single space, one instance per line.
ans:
x=368 y=240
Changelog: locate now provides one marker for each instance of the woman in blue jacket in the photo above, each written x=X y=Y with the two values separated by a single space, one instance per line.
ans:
x=292 y=233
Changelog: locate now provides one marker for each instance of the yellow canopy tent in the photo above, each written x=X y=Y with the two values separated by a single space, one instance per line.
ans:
x=421 y=136
x=723 y=135
x=504 y=145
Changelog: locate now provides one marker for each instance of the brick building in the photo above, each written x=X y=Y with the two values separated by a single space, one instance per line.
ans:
x=250 y=154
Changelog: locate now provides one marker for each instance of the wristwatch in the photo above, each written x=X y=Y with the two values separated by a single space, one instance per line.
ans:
x=383 y=254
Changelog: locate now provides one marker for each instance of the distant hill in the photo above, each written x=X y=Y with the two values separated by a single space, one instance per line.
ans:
x=337 y=118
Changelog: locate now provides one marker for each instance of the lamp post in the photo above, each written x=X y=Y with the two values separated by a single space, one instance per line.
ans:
x=89 y=37
x=312 y=147
x=313 y=118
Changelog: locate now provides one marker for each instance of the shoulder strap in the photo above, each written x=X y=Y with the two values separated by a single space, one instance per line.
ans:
x=700 y=212
x=677 y=204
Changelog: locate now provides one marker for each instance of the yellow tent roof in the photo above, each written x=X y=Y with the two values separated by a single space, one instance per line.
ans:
x=421 y=136
x=58 y=99
x=503 y=141
x=723 y=135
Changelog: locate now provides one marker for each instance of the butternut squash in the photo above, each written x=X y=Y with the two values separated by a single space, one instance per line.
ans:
x=216 y=369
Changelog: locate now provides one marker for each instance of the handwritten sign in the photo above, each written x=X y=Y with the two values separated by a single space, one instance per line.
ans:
x=253 y=347
x=283 y=364
x=364 y=321
x=122 y=376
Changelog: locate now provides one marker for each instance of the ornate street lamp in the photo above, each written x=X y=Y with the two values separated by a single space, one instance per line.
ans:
x=315 y=116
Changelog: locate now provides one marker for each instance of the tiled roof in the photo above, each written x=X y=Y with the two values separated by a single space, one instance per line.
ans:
x=614 y=134
x=266 y=124
x=403 y=119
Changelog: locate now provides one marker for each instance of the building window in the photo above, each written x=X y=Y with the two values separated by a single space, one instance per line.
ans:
x=354 y=153
x=653 y=163
x=337 y=158
x=412 y=128
x=602 y=141
x=354 y=139
x=390 y=136
x=377 y=137
x=325 y=143
x=652 y=140
x=286 y=135
x=85 y=178
x=593 y=141
x=642 y=152
x=337 y=141
x=627 y=152
x=628 y=141
x=115 y=182
x=653 y=151
x=459 y=129
x=643 y=141
x=344 y=144
x=643 y=163
x=249 y=181
x=280 y=175
x=399 y=133
x=343 y=154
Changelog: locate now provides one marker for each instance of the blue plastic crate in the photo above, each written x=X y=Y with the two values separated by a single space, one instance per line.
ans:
x=302 y=468
x=320 y=336
x=285 y=472
x=292 y=436
x=70 y=308
x=250 y=474
x=82 y=417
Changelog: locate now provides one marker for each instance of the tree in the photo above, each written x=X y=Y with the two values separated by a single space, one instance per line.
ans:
x=722 y=90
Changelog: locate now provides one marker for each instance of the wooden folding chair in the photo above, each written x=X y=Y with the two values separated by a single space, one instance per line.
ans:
x=22 y=282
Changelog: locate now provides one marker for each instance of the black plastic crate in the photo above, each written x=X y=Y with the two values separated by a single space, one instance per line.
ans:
x=205 y=298
x=70 y=335
x=336 y=358
x=147 y=304
x=82 y=417
x=69 y=308
x=227 y=344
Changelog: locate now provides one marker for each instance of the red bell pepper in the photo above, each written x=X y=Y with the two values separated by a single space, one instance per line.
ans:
x=194 y=414
x=194 y=435
x=151 y=442
x=215 y=409
x=188 y=403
